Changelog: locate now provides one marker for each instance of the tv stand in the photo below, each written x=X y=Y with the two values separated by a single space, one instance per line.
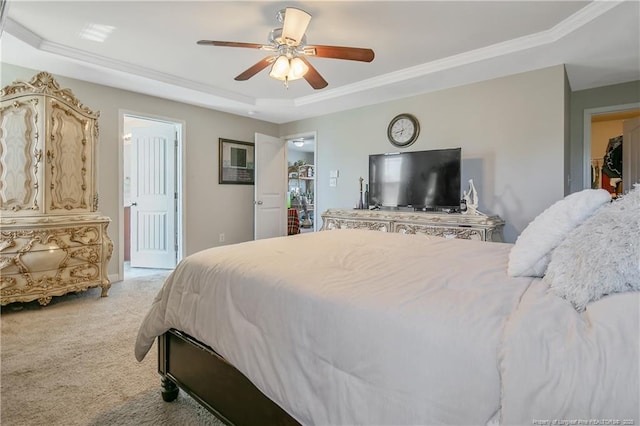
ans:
x=450 y=225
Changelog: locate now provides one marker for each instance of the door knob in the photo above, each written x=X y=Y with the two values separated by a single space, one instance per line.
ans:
x=134 y=204
x=258 y=202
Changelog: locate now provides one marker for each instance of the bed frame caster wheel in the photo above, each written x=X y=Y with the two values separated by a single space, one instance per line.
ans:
x=169 y=390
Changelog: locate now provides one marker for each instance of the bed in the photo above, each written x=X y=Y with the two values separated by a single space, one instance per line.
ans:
x=365 y=327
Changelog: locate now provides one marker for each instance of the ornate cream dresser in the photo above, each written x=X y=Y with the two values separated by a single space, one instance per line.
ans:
x=450 y=225
x=53 y=240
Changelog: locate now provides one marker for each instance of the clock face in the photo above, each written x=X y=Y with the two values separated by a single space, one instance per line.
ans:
x=403 y=130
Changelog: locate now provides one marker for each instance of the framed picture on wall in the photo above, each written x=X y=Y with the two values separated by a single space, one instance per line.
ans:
x=236 y=162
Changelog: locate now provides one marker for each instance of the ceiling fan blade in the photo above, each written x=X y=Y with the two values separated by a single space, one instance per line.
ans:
x=294 y=26
x=339 y=52
x=229 y=44
x=313 y=77
x=255 y=69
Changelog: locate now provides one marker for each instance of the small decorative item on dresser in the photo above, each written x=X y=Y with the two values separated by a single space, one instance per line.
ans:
x=463 y=206
x=471 y=199
x=366 y=197
x=360 y=203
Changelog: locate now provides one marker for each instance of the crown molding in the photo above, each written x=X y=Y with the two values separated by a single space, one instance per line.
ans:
x=24 y=34
x=583 y=16
x=560 y=30
x=575 y=21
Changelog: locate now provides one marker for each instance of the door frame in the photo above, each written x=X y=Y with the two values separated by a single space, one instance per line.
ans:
x=313 y=134
x=179 y=175
x=586 y=144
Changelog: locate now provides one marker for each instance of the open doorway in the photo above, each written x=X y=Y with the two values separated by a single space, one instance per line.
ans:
x=604 y=129
x=152 y=211
x=301 y=199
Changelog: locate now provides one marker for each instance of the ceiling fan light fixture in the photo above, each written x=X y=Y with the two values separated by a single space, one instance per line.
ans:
x=297 y=69
x=296 y=22
x=286 y=69
x=280 y=68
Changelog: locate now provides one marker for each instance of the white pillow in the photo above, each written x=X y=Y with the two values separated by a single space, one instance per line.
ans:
x=601 y=257
x=530 y=255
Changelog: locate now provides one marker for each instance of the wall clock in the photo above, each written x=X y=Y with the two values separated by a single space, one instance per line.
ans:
x=403 y=130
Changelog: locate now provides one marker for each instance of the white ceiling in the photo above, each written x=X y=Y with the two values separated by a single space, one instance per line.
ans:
x=420 y=46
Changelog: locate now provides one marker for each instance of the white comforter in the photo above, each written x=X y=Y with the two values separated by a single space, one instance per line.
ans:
x=365 y=327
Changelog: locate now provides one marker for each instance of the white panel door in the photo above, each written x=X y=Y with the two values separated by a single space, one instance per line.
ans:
x=630 y=153
x=270 y=207
x=153 y=236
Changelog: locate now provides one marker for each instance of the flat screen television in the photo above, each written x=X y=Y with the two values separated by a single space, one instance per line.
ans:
x=422 y=180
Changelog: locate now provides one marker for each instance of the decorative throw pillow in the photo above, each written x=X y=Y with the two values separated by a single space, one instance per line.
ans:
x=601 y=257
x=530 y=255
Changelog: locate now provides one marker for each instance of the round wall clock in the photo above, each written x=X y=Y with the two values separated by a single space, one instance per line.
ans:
x=403 y=130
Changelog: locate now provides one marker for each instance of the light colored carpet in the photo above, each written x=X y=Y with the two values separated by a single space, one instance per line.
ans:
x=71 y=362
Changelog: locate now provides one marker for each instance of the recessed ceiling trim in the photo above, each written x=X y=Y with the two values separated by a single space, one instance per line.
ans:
x=583 y=17
x=563 y=28
x=19 y=31
x=23 y=33
x=560 y=30
x=141 y=71
x=438 y=65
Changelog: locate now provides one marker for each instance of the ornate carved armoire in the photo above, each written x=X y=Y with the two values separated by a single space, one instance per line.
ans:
x=53 y=239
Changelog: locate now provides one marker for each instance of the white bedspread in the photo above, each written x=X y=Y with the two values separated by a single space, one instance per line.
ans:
x=365 y=327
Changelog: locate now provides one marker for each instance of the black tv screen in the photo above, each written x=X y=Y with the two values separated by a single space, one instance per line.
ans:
x=419 y=179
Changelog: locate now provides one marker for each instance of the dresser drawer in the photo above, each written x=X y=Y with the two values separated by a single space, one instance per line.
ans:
x=339 y=223
x=44 y=260
x=466 y=233
x=41 y=285
x=45 y=239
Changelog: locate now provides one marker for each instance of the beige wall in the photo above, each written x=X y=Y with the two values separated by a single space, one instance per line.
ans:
x=512 y=131
x=210 y=208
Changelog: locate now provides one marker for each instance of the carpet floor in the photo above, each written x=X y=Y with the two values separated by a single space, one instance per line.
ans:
x=71 y=362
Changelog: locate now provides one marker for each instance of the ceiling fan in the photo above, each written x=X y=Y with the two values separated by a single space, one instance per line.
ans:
x=289 y=51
